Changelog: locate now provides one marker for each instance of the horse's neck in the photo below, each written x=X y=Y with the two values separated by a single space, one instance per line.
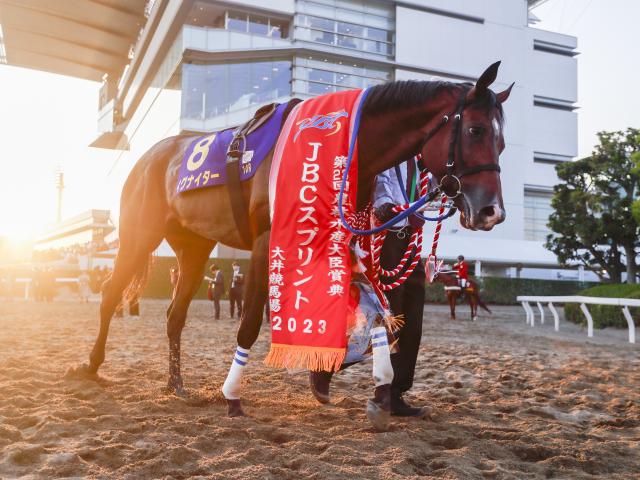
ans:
x=388 y=139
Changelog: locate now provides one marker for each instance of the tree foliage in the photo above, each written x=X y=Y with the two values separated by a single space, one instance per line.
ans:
x=635 y=208
x=593 y=223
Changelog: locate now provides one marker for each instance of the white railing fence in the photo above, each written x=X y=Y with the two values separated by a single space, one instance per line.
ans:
x=624 y=303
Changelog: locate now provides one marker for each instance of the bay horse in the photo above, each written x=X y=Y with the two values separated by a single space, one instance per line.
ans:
x=395 y=121
x=453 y=291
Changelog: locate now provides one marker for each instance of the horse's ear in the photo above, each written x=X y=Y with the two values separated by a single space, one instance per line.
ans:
x=502 y=96
x=486 y=79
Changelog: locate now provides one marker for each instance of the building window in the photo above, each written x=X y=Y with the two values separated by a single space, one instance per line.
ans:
x=364 y=26
x=537 y=209
x=550 y=47
x=550 y=158
x=205 y=14
x=316 y=76
x=213 y=90
x=554 y=103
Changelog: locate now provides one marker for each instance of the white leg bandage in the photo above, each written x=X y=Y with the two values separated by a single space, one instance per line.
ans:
x=232 y=385
x=382 y=369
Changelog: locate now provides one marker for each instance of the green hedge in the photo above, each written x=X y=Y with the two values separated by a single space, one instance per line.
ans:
x=494 y=290
x=159 y=284
x=604 y=315
x=503 y=291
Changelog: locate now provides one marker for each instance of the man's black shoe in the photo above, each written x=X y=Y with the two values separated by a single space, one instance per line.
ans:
x=319 y=382
x=400 y=408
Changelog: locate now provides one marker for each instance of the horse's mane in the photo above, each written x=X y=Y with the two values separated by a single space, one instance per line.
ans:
x=407 y=93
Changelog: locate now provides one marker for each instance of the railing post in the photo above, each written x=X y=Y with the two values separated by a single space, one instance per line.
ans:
x=632 y=327
x=587 y=314
x=556 y=319
x=541 y=308
x=530 y=315
x=525 y=311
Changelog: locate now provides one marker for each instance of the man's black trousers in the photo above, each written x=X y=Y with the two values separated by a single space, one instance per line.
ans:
x=406 y=300
x=235 y=300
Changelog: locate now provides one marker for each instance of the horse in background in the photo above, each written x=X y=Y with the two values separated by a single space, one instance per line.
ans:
x=454 y=291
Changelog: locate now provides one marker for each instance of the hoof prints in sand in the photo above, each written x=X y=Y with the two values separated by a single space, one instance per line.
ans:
x=504 y=403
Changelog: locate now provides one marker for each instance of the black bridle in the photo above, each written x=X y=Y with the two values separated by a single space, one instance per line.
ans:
x=455 y=172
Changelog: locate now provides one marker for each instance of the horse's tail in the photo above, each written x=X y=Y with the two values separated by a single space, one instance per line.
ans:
x=139 y=281
x=482 y=304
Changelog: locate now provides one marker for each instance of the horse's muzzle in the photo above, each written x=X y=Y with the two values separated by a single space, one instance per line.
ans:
x=488 y=217
x=483 y=219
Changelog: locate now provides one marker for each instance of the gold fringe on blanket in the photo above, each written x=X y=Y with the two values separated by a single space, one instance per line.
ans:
x=394 y=323
x=309 y=358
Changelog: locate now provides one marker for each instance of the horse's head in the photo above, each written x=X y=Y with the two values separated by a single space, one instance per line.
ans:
x=463 y=155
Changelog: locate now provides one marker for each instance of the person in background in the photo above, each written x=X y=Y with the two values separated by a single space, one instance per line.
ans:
x=462 y=271
x=49 y=284
x=173 y=278
x=215 y=289
x=83 y=286
x=38 y=284
x=236 y=290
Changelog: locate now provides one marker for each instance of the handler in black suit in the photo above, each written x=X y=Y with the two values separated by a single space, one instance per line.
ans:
x=407 y=300
x=216 y=288
x=236 y=291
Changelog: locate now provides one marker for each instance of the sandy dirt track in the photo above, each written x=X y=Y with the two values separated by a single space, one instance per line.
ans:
x=507 y=401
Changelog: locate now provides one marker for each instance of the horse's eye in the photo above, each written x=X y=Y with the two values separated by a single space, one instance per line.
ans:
x=476 y=131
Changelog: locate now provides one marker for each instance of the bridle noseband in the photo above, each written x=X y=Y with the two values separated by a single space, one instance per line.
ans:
x=453 y=175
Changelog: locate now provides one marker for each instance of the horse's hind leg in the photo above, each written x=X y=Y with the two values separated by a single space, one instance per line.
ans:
x=255 y=297
x=131 y=260
x=192 y=258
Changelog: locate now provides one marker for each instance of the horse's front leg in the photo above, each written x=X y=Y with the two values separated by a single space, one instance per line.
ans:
x=474 y=307
x=255 y=296
x=452 y=304
x=192 y=259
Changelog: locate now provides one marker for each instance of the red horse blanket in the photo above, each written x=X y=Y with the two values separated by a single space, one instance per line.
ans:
x=309 y=261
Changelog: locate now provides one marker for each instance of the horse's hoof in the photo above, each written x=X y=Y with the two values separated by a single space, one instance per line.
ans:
x=378 y=416
x=83 y=371
x=177 y=388
x=474 y=318
x=319 y=383
x=234 y=408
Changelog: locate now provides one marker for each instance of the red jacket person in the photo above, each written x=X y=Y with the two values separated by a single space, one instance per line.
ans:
x=462 y=270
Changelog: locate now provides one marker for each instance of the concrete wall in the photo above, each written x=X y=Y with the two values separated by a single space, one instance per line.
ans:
x=454 y=40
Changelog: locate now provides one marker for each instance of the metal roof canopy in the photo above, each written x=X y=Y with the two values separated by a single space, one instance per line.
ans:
x=79 y=38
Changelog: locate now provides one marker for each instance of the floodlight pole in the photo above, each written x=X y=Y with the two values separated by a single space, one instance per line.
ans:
x=60 y=188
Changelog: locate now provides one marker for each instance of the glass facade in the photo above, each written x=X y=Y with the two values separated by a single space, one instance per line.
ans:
x=214 y=90
x=537 y=208
x=226 y=92
x=317 y=75
x=364 y=26
x=205 y=14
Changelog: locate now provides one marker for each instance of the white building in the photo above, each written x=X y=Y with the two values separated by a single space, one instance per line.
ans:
x=199 y=65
